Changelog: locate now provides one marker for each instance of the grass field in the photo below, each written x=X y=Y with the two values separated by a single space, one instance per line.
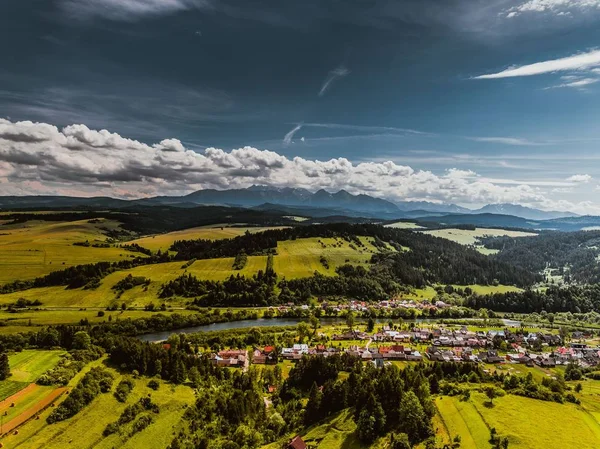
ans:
x=85 y=429
x=27 y=366
x=301 y=258
x=28 y=320
x=36 y=248
x=404 y=225
x=472 y=238
x=528 y=423
x=164 y=241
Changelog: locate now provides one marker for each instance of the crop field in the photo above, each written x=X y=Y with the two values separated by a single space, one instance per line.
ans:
x=528 y=423
x=164 y=241
x=36 y=248
x=84 y=430
x=301 y=258
x=471 y=238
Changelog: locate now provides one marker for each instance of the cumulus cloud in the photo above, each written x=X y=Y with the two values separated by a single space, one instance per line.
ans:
x=579 y=179
x=37 y=158
x=580 y=61
x=558 y=7
x=338 y=72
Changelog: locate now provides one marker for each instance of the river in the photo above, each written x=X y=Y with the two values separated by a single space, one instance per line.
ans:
x=265 y=322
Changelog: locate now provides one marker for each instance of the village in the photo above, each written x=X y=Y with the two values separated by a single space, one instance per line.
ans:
x=436 y=344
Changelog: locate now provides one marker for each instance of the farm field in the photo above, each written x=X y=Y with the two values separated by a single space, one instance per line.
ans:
x=471 y=238
x=164 y=241
x=26 y=367
x=36 y=248
x=301 y=258
x=528 y=423
x=85 y=429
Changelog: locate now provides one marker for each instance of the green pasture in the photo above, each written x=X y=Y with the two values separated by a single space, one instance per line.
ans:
x=528 y=423
x=36 y=248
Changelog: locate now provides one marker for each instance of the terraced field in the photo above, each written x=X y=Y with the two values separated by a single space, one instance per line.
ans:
x=36 y=248
x=164 y=241
x=84 y=430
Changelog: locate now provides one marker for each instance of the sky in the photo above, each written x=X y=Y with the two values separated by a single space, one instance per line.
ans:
x=457 y=101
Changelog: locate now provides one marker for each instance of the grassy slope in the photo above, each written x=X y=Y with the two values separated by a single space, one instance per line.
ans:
x=36 y=248
x=85 y=429
x=164 y=241
x=301 y=258
x=298 y=258
x=528 y=423
x=471 y=238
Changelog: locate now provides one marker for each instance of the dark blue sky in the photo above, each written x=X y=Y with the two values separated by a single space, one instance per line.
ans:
x=368 y=80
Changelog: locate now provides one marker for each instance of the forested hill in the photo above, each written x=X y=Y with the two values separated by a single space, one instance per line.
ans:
x=573 y=255
x=417 y=259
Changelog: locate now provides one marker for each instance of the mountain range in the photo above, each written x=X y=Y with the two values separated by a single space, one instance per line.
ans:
x=293 y=200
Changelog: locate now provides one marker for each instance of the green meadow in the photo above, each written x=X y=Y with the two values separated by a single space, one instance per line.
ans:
x=528 y=423
x=36 y=248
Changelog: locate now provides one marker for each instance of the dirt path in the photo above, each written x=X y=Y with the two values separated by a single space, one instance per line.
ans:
x=19 y=394
x=32 y=411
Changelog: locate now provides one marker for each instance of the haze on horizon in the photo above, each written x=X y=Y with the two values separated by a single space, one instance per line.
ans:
x=459 y=101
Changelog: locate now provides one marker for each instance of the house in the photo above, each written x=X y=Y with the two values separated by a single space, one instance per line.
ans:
x=231 y=357
x=297 y=443
x=490 y=357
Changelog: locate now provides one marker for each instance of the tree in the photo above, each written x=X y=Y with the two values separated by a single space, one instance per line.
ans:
x=82 y=340
x=312 y=412
x=399 y=441
x=413 y=420
x=303 y=331
x=365 y=427
x=350 y=320
x=4 y=366
x=551 y=319
x=370 y=324
x=491 y=392
x=314 y=323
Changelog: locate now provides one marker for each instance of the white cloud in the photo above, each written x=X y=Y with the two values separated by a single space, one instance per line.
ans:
x=515 y=141
x=287 y=139
x=577 y=83
x=579 y=179
x=558 y=7
x=580 y=61
x=338 y=72
x=37 y=158
x=128 y=9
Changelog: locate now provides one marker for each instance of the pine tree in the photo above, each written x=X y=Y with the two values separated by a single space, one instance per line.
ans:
x=4 y=366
